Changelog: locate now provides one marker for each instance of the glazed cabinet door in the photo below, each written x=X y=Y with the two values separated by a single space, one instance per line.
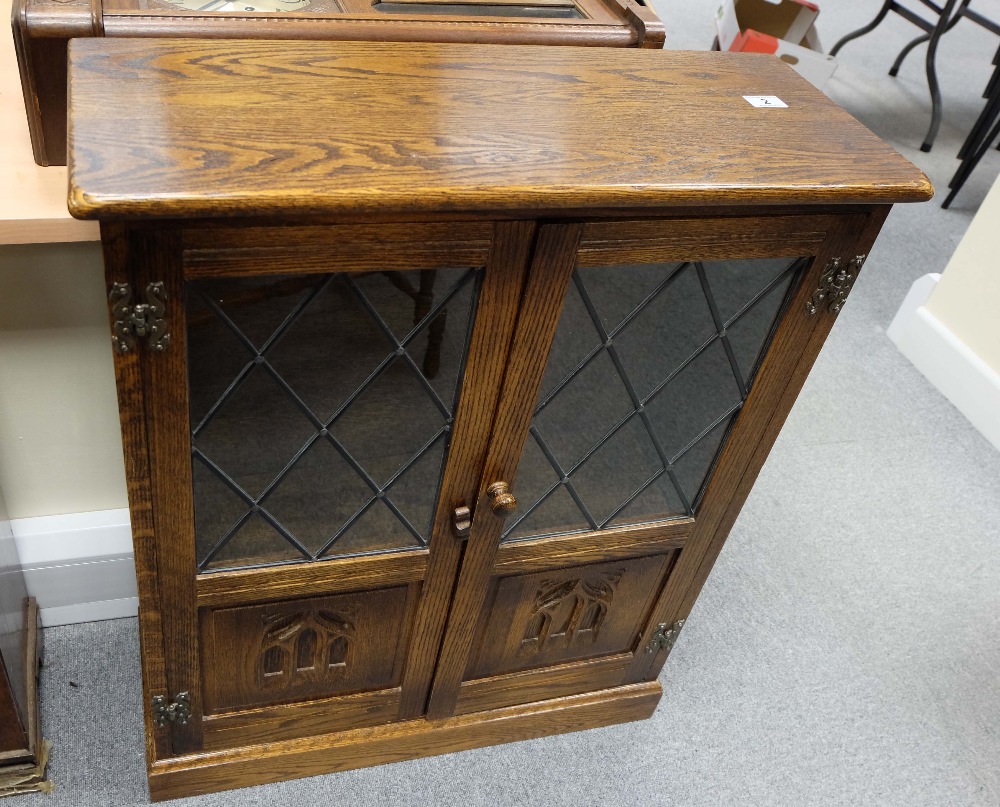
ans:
x=652 y=363
x=311 y=403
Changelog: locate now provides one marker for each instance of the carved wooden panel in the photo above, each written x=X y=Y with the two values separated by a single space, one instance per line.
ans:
x=535 y=620
x=304 y=649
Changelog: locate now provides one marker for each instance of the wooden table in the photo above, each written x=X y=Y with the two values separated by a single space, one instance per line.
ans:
x=32 y=198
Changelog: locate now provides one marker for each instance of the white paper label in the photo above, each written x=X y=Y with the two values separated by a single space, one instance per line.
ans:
x=766 y=100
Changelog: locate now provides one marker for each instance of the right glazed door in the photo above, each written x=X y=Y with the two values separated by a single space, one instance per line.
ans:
x=645 y=370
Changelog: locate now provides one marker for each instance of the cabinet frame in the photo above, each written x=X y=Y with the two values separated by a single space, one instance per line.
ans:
x=226 y=146
x=522 y=305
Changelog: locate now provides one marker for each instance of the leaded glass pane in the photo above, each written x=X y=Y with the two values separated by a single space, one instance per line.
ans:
x=659 y=497
x=692 y=467
x=556 y=513
x=652 y=346
x=604 y=482
x=318 y=495
x=536 y=477
x=389 y=422
x=592 y=415
x=702 y=392
x=255 y=432
x=376 y=529
x=751 y=330
x=256 y=543
x=575 y=342
x=648 y=371
x=321 y=409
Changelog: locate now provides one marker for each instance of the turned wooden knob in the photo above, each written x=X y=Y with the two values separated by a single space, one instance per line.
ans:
x=502 y=501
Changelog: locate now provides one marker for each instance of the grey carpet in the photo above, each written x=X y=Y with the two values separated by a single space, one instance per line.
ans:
x=845 y=650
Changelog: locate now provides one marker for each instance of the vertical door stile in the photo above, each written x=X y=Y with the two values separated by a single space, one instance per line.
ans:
x=157 y=259
x=131 y=406
x=551 y=268
x=496 y=314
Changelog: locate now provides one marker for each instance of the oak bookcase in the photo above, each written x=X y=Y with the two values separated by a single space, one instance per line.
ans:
x=444 y=372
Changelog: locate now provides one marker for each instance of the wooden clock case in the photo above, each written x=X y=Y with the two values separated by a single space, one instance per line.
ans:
x=42 y=29
x=444 y=374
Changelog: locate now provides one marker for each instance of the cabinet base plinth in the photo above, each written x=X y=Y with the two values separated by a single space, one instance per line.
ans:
x=195 y=774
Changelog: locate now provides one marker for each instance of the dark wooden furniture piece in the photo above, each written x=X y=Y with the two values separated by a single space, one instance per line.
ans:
x=19 y=646
x=42 y=29
x=355 y=555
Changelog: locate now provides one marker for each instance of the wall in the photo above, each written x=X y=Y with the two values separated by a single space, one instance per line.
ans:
x=60 y=445
x=948 y=326
x=965 y=299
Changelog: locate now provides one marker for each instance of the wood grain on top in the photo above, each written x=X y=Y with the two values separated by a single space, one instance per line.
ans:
x=192 y=128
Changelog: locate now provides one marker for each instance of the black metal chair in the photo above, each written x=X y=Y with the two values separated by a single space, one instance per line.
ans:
x=946 y=16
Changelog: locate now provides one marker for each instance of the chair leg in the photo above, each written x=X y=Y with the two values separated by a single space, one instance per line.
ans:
x=982 y=125
x=952 y=22
x=894 y=70
x=932 y=80
x=968 y=166
x=865 y=29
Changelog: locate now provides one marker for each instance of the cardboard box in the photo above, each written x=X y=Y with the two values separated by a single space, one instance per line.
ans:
x=812 y=66
x=785 y=28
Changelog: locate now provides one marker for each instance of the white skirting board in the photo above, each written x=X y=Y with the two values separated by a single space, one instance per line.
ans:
x=946 y=361
x=79 y=567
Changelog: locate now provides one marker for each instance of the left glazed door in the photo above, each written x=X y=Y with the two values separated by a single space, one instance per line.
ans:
x=301 y=427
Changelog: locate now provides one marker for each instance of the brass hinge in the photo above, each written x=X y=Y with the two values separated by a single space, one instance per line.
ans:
x=664 y=636
x=139 y=320
x=835 y=284
x=177 y=711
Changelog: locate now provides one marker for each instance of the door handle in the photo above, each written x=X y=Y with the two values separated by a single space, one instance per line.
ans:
x=502 y=501
x=462 y=519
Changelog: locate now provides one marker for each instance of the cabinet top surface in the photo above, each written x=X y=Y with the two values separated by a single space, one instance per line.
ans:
x=196 y=128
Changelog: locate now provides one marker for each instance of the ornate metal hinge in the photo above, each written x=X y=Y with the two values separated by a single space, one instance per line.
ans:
x=139 y=320
x=664 y=636
x=177 y=711
x=835 y=284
